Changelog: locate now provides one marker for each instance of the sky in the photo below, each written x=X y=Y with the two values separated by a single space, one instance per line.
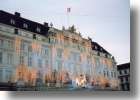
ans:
x=105 y=21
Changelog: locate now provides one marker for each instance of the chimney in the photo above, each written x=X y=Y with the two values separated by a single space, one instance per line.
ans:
x=45 y=24
x=17 y=14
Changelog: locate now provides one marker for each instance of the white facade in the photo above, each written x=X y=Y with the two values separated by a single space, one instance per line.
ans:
x=21 y=56
x=21 y=50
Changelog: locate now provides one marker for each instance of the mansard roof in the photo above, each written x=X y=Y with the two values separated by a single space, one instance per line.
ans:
x=97 y=47
x=19 y=22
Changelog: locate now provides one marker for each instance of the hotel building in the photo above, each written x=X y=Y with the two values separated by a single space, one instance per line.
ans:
x=32 y=52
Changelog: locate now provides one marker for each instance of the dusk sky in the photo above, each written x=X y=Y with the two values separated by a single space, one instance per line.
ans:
x=105 y=21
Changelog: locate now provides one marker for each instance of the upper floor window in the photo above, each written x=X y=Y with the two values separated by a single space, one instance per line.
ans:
x=29 y=48
x=120 y=72
x=1 y=42
x=128 y=71
x=115 y=74
x=38 y=29
x=95 y=47
x=59 y=65
x=88 y=59
x=21 y=59
x=121 y=79
x=111 y=74
x=101 y=49
x=8 y=75
x=46 y=63
x=126 y=79
x=104 y=73
x=107 y=73
x=0 y=57
x=1 y=74
x=34 y=36
x=9 y=58
x=9 y=44
x=25 y=25
x=22 y=46
x=39 y=63
x=29 y=61
x=59 y=53
x=125 y=71
x=16 y=31
x=98 y=53
x=12 y=21
x=46 y=51
x=97 y=61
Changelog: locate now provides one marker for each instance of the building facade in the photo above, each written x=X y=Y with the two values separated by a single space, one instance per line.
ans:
x=124 y=76
x=31 y=51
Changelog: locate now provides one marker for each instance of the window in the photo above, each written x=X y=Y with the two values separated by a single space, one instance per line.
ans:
x=59 y=65
x=128 y=71
x=1 y=75
x=97 y=62
x=34 y=36
x=1 y=42
x=73 y=56
x=126 y=87
x=121 y=80
x=29 y=48
x=12 y=21
x=111 y=74
x=9 y=44
x=8 y=75
x=22 y=45
x=46 y=63
x=107 y=74
x=120 y=72
x=122 y=87
x=126 y=79
x=88 y=59
x=21 y=59
x=125 y=71
x=101 y=49
x=0 y=57
x=46 y=51
x=104 y=73
x=115 y=74
x=25 y=25
x=38 y=29
x=106 y=55
x=95 y=47
x=59 y=53
x=9 y=58
x=29 y=61
x=39 y=63
x=49 y=40
x=16 y=31
x=80 y=58
x=98 y=53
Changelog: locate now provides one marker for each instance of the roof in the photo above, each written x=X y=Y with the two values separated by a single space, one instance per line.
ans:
x=123 y=66
x=97 y=47
x=6 y=18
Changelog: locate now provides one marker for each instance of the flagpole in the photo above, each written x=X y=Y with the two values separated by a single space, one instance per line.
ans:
x=68 y=12
x=68 y=19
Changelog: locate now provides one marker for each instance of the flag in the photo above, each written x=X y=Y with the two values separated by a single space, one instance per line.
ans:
x=68 y=10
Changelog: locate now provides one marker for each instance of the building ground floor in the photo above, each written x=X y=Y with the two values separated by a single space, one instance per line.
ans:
x=25 y=78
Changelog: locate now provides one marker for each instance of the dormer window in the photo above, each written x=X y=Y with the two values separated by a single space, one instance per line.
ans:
x=101 y=49
x=25 y=25
x=95 y=47
x=34 y=36
x=12 y=21
x=38 y=29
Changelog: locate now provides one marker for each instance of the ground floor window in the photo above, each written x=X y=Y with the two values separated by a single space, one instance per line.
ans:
x=1 y=75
